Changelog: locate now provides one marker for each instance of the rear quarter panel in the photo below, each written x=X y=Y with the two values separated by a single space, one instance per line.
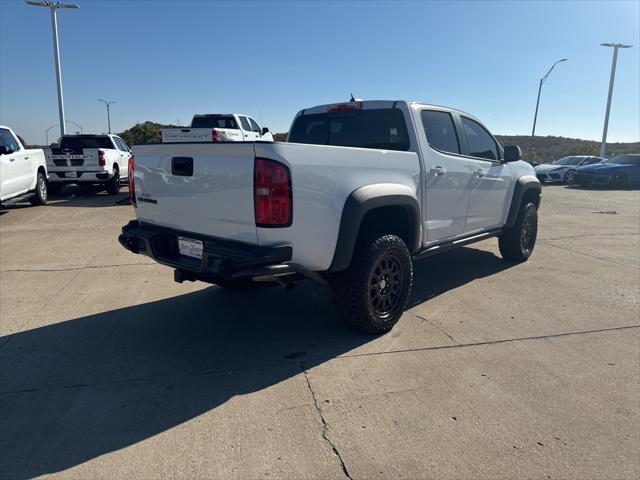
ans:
x=322 y=179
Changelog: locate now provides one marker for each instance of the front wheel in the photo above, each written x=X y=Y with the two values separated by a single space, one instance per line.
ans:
x=516 y=243
x=40 y=198
x=371 y=295
x=113 y=186
x=569 y=177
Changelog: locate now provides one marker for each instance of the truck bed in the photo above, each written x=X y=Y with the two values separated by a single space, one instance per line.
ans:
x=207 y=188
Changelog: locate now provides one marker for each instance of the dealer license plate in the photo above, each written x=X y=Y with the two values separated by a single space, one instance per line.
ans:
x=71 y=174
x=190 y=247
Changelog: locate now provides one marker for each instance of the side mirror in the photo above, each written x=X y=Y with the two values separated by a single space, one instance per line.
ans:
x=512 y=153
x=265 y=130
x=5 y=150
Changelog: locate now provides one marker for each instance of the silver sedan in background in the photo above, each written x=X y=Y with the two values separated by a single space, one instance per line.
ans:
x=563 y=169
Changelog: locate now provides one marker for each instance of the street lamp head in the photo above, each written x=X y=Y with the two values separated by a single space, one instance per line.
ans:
x=615 y=45
x=50 y=4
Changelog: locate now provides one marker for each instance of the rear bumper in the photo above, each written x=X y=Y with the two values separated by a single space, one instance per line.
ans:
x=221 y=259
x=95 y=176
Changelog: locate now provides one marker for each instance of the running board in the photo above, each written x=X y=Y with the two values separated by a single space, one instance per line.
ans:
x=443 y=247
x=18 y=199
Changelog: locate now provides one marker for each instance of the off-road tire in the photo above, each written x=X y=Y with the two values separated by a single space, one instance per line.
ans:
x=517 y=243
x=41 y=196
x=361 y=293
x=113 y=185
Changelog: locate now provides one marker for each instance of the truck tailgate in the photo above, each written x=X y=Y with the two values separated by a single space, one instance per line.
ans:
x=190 y=135
x=200 y=188
x=56 y=157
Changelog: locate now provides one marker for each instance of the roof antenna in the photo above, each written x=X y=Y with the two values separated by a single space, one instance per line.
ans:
x=352 y=99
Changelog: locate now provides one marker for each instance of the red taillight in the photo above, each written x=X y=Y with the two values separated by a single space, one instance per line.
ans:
x=345 y=107
x=101 y=160
x=215 y=135
x=272 y=194
x=132 y=185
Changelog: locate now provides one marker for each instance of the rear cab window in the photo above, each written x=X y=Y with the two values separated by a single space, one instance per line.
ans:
x=77 y=143
x=214 y=121
x=384 y=129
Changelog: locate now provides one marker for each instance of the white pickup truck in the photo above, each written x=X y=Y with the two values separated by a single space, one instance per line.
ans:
x=358 y=191
x=217 y=127
x=88 y=159
x=23 y=172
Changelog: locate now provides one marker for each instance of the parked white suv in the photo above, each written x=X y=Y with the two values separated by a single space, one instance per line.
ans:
x=218 y=127
x=23 y=172
x=88 y=159
x=359 y=190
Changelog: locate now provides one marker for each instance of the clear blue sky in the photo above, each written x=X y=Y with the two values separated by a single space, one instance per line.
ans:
x=165 y=61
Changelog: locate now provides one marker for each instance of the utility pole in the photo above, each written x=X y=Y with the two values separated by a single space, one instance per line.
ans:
x=54 y=6
x=108 y=104
x=542 y=80
x=616 y=46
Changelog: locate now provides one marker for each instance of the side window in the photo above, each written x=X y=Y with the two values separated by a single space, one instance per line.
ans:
x=440 y=131
x=254 y=126
x=121 y=143
x=481 y=144
x=7 y=140
x=245 y=124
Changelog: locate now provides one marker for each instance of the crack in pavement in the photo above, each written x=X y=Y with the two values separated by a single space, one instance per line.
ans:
x=156 y=378
x=568 y=237
x=70 y=269
x=439 y=328
x=589 y=255
x=325 y=426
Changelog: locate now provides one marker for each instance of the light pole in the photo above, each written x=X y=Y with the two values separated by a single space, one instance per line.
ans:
x=542 y=80
x=616 y=46
x=79 y=126
x=54 y=6
x=46 y=132
x=108 y=104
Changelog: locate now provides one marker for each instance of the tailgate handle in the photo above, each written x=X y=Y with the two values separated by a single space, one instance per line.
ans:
x=182 y=166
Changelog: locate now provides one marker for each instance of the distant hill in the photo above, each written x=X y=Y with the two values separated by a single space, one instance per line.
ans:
x=538 y=149
x=547 y=149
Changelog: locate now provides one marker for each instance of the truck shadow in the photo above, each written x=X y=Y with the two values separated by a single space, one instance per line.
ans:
x=78 y=196
x=81 y=388
x=436 y=275
x=78 y=389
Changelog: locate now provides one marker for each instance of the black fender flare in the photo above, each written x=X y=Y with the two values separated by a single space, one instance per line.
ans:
x=358 y=204
x=524 y=185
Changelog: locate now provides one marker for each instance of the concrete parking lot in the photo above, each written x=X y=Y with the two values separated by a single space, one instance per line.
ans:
x=109 y=369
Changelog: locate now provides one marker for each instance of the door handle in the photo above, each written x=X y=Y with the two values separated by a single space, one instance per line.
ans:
x=12 y=159
x=480 y=173
x=26 y=158
x=438 y=170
